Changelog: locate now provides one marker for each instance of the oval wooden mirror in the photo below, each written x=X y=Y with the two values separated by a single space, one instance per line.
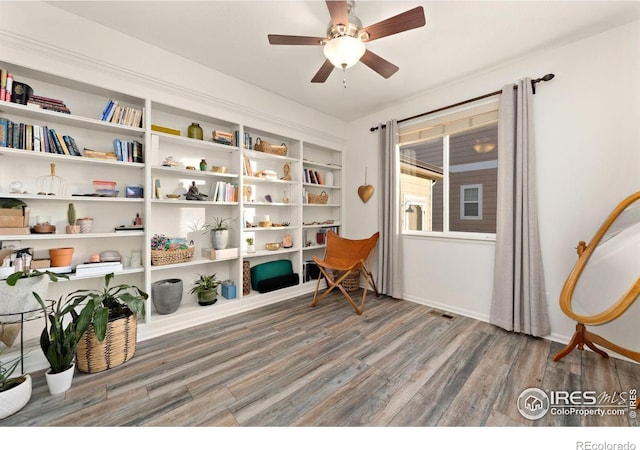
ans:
x=605 y=281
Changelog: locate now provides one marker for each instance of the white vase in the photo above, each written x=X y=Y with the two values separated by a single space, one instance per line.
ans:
x=219 y=239
x=59 y=383
x=251 y=248
x=14 y=399
x=328 y=178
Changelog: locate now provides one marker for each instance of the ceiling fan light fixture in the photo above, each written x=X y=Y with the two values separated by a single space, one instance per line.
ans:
x=344 y=51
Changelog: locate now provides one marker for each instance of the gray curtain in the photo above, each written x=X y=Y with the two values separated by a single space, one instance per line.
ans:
x=389 y=279
x=519 y=302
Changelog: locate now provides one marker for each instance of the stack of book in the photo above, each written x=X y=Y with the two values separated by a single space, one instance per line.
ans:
x=99 y=268
x=223 y=137
x=122 y=115
x=51 y=104
x=88 y=153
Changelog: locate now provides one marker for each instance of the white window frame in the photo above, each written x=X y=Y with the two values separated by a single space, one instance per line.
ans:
x=463 y=188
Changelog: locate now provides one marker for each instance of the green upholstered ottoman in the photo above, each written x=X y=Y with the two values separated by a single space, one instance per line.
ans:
x=273 y=275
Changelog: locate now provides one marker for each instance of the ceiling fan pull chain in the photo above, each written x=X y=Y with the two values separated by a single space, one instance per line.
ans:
x=344 y=75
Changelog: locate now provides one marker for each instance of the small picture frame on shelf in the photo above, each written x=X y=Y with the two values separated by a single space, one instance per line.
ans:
x=134 y=191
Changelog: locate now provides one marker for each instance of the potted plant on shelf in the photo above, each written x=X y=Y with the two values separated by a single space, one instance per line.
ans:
x=251 y=247
x=219 y=230
x=15 y=392
x=111 y=337
x=206 y=289
x=59 y=341
x=72 y=227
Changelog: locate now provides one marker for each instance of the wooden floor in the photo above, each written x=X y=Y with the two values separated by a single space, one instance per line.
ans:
x=399 y=364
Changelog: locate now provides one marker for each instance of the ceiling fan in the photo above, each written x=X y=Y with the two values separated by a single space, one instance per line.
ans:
x=344 y=44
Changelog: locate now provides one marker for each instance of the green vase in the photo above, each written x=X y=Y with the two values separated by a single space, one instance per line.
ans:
x=203 y=165
x=194 y=131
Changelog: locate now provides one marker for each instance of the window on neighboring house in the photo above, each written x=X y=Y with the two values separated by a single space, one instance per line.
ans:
x=448 y=173
x=471 y=202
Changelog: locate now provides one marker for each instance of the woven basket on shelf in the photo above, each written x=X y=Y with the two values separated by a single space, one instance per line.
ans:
x=318 y=198
x=263 y=146
x=118 y=346
x=162 y=257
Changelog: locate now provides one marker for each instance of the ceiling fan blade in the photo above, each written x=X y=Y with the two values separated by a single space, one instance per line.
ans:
x=408 y=20
x=380 y=65
x=281 y=39
x=338 y=11
x=324 y=72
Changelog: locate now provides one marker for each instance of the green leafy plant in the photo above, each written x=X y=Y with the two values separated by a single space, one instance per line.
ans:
x=15 y=276
x=58 y=340
x=217 y=223
x=110 y=303
x=249 y=241
x=6 y=372
x=205 y=283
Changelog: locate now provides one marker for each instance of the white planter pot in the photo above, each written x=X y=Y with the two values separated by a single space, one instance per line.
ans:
x=219 y=239
x=20 y=298
x=14 y=399
x=60 y=382
x=251 y=248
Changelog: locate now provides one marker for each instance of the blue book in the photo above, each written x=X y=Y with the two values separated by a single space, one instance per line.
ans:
x=107 y=109
x=4 y=132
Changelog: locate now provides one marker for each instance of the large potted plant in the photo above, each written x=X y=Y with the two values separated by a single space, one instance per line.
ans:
x=15 y=392
x=59 y=339
x=111 y=338
x=206 y=289
x=218 y=227
x=17 y=301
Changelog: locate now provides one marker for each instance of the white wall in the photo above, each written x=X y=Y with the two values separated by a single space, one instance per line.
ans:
x=588 y=155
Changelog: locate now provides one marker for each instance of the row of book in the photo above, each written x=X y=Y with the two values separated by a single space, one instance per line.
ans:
x=37 y=138
x=224 y=192
x=128 y=151
x=249 y=168
x=312 y=176
x=122 y=115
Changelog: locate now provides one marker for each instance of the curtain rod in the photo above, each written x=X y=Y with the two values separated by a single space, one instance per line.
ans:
x=547 y=77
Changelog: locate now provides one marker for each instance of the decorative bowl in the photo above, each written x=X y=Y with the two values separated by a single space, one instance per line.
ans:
x=219 y=169
x=272 y=245
x=265 y=223
x=173 y=196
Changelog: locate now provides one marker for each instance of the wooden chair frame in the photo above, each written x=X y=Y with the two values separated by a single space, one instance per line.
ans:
x=346 y=257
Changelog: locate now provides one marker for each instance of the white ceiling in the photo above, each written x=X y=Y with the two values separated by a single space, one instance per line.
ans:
x=459 y=39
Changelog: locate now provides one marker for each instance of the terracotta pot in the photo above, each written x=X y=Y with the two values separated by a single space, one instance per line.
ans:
x=61 y=257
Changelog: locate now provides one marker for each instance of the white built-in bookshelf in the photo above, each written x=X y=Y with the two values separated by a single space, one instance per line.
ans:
x=250 y=187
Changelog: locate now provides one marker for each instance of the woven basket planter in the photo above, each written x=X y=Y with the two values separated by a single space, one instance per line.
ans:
x=318 y=199
x=118 y=346
x=264 y=146
x=163 y=257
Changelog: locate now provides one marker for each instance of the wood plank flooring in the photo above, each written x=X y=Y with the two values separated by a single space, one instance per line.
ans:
x=398 y=364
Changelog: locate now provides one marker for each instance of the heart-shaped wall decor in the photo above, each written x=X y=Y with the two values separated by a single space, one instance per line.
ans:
x=365 y=192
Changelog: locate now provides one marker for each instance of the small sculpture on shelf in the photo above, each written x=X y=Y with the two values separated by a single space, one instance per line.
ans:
x=194 y=193
x=287 y=172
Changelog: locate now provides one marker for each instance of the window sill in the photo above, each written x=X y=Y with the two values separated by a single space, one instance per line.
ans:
x=451 y=236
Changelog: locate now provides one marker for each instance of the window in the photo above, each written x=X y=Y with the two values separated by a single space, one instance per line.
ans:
x=449 y=172
x=471 y=202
